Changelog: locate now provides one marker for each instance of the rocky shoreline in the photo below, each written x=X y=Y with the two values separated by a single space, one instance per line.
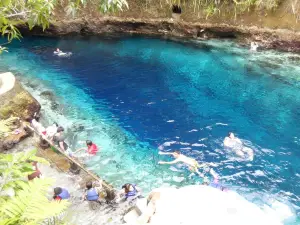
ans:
x=80 y=211
x=279 y=39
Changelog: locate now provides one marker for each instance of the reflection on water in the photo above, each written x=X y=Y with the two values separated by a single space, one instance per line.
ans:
x=132 y=95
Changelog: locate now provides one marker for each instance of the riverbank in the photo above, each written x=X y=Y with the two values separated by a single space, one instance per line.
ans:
x=80 y=211
x=279 y=39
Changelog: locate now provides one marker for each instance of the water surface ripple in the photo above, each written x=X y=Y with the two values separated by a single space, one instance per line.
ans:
x=131 y=95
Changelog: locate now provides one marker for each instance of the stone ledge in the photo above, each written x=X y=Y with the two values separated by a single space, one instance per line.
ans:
x=15 y=100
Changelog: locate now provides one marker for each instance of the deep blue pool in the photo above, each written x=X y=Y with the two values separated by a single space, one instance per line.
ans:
x=133 y=94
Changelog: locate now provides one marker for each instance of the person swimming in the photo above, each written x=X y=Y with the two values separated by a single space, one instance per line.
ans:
x=237 y=146
x=58 y=52
x=91 y=149
x=253 y=46
x=190 y=162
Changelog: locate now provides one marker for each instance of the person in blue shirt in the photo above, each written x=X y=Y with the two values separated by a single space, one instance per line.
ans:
x=92 y=194
x=61 y=194
x=129 y=192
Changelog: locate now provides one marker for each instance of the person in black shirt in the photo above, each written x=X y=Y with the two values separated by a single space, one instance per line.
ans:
x=59 y=139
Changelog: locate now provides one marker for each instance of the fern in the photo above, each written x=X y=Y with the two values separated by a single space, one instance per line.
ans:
x=14 y=168
x=30 y=206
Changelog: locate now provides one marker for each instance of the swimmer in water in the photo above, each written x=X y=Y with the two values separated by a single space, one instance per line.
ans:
x=253 y=46
x=231 y=141
x=237 y=145
x=58 y=51
x=192 y=163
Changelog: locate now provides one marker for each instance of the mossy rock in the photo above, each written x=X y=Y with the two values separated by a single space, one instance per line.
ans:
x=19 y=103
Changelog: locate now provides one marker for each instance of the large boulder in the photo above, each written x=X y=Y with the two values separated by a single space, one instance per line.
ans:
x=199 y=204
x=15 y=100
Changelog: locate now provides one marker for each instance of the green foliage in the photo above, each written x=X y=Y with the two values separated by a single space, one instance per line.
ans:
x=106 y=6
x=211 y=10
x=28 y=203
x=40 y=12
x=14 y=169
x=2 y=49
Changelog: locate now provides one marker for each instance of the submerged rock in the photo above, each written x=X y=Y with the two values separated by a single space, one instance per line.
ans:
x=48 y=95
x=15 y=100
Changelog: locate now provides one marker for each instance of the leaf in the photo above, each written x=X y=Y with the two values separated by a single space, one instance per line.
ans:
x=30 y=206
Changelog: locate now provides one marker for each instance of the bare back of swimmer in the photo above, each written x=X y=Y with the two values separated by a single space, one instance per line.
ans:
x=190 y=162
x=237 y=146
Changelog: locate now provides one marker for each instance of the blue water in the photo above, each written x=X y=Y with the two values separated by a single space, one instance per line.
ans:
x=133 y=94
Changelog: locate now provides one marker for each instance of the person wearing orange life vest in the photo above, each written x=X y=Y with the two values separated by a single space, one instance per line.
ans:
x=92 y=149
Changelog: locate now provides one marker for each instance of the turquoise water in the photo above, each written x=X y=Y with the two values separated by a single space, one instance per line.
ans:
x=131 y=95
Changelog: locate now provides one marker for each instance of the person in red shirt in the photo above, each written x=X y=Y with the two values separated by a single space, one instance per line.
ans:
x=92 y=149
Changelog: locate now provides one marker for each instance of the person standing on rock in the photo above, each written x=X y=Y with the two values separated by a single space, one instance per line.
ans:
x=59 y=139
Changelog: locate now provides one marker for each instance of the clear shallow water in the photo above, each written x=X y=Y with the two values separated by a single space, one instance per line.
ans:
x=130 y=95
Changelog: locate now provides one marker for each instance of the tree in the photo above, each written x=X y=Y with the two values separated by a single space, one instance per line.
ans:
x=23 y=202
x=40 y=13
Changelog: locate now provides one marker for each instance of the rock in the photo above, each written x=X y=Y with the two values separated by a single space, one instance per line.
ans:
x=190 y=204
x=48 y=95
x=14 y=137
x=15 y=100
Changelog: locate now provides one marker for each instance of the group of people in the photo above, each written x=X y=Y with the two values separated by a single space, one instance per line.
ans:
x=55 y=134
x=230 y=141
x=96 y=194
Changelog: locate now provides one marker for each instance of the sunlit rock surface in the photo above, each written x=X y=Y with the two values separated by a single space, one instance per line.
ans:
x=206 y=205
x=15 y=100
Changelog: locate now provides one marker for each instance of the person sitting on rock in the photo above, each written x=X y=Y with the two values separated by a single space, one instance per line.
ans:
x=129 y=191
x=60 y=194
x=92 y=193
x=92 y=149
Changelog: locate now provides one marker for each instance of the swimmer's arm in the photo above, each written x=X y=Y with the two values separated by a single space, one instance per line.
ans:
x=171 y=162
x=78 y=150
x=61 y=145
